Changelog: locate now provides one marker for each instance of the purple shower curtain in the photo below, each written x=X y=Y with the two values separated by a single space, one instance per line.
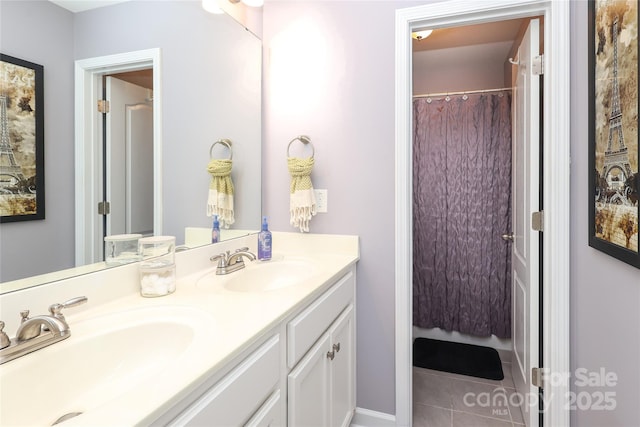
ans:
x=461 y=207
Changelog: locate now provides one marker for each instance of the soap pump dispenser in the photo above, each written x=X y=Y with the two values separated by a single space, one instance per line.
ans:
x=215 y=231
x=264 y=241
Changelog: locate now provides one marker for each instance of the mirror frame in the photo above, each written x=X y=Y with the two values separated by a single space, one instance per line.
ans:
x=88 y=159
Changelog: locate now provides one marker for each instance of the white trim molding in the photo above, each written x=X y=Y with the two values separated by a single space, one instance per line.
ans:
x=556 y=158
x=88 y=159
x=368 y=418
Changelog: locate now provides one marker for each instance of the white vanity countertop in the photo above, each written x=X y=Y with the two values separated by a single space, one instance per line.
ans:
x=234 y=321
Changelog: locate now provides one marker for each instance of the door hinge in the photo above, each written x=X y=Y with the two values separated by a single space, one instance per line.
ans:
x=537 y=67
x=537 y=221
x=104 y=208
x=103 y=106
x=537 y=377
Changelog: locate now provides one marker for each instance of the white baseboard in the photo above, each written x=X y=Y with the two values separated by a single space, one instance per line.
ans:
x=368 y=418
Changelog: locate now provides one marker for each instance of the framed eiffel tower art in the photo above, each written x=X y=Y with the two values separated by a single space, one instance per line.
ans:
x=614 y=181
x=21 y=140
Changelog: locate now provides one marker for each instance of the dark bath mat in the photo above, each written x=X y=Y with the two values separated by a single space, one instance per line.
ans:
x=465 y=359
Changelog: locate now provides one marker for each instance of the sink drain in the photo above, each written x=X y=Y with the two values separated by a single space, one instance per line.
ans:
x=66 y=417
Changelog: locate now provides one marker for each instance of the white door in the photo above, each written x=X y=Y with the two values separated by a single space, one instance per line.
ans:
x=525 y=199
x=129 y=150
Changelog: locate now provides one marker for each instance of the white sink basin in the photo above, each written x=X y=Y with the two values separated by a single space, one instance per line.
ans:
x=262 y=276
x=104 y=357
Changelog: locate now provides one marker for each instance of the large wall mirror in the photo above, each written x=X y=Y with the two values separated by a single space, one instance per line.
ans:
x=209 y=77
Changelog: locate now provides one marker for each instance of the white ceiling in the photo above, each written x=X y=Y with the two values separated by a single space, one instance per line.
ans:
x=82 y=5
x=470 y=35
x=482 y=45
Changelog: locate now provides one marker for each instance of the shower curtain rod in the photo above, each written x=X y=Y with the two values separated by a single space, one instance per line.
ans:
x=469 y=92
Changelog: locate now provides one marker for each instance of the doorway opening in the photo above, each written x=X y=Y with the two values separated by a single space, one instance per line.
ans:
x=476 y=91
x=128 y=153
x=89 y=156
x=555 y=158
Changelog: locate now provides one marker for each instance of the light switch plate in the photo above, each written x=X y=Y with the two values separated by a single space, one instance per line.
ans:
x=321 y=200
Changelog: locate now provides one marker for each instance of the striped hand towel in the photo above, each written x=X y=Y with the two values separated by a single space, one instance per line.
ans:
x=302 y=202
x=220 y=200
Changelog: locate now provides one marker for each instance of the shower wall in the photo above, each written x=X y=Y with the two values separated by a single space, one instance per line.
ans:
x=447 y=70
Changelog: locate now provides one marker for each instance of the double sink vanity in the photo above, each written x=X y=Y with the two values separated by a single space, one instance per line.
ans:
x=271 y=344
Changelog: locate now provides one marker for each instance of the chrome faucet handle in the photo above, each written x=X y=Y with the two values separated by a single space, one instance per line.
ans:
x=56 y=309
x=24 y=314
x=239 y=255
x=4 y=338
x=221 y=258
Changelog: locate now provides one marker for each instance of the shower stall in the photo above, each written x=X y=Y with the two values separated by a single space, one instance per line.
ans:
x=462 y=212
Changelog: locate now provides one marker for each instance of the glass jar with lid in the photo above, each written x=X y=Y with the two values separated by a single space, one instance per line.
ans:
x=157 y=267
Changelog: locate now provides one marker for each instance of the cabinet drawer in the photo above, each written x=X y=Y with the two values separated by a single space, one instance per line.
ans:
x=235 y=398
x=308 y=326
x=269 y=415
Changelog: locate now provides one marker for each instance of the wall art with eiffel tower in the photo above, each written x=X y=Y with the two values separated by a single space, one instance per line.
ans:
x=614 y=181
x=21 y=140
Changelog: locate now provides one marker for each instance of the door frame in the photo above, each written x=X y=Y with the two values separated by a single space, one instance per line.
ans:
x=88 y=144
x=556 y=158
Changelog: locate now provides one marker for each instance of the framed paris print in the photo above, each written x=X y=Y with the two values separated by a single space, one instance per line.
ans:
x=614 y=182
x=21 y=140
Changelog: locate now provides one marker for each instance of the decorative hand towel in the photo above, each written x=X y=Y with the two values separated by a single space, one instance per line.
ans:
x=302 y=202
x=220 y=201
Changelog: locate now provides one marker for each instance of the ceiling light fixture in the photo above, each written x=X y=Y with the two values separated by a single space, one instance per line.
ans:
x=421 y=35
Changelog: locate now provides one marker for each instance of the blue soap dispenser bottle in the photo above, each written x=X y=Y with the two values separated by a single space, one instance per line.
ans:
x=264 y=241
x=215 y=230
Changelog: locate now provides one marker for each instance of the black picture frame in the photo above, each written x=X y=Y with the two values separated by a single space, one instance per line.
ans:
x=614 y=181
x=22 y=183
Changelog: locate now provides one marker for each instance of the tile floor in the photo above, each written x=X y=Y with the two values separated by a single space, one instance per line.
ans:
x=441 y=399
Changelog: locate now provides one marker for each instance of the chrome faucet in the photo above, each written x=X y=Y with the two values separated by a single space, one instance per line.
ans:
x=37 y=332
x=229 y=262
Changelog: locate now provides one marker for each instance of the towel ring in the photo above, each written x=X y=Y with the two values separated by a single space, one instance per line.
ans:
x=226 y=142
x=305 y=140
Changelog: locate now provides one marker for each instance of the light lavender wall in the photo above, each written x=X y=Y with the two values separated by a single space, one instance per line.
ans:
x=342 y=95
x=605 y=293
x=457 y=69
x=329 y=73
x=35 y=247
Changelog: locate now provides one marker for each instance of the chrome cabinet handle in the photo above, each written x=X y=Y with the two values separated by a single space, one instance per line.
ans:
x=507 y=237
x=332 y=354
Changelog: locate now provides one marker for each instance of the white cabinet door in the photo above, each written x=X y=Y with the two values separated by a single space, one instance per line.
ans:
x=342 y=369
x=321 y=387
x=309 y=388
